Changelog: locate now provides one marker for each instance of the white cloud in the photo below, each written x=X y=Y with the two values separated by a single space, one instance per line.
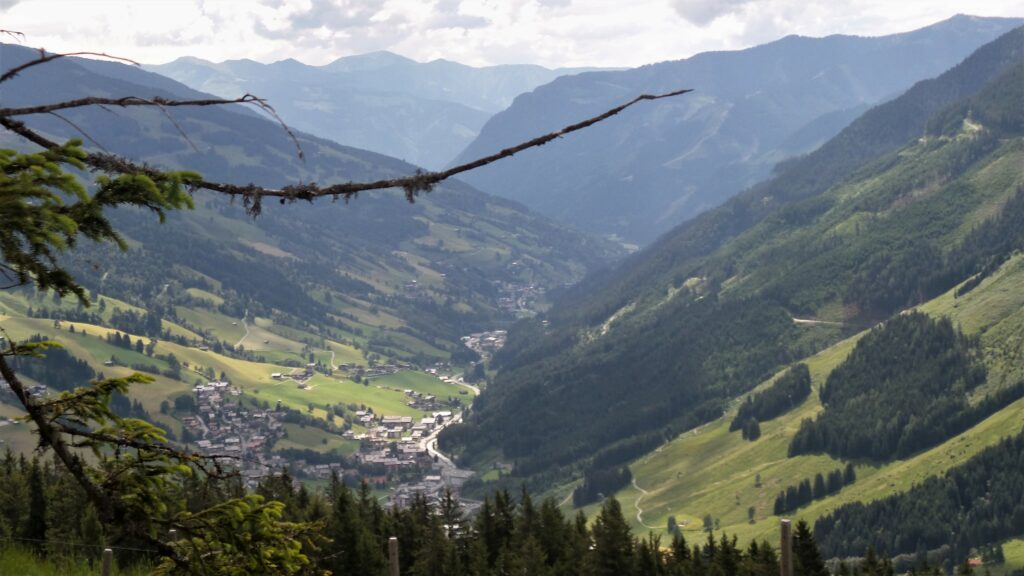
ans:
x=477 y=32
x=703 y=12
x=447 y=14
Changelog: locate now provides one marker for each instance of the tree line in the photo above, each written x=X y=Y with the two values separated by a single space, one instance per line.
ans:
x=975 y=504
x=599 y=483
x=804 y=493
x=58 y=369
x=41 y=509
x=903 y=388
x=783 y=395
x=541 y=418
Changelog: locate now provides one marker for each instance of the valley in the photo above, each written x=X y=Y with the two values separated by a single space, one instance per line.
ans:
x=795 y=292
x=335 y=395
x=321 y=320
x=804 y=281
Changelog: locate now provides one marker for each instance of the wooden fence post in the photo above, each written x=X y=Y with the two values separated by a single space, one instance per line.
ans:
x=108 y=561
x=393 y=556
x=786 y=566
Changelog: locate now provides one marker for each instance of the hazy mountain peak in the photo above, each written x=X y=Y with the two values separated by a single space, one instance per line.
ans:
x=368 y=61
x=187 y=60
x=424 y=113
x=682 y=156
x=289 y=62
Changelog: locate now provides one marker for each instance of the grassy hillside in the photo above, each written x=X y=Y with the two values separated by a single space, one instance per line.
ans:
x=713 y=471
x=385 y=395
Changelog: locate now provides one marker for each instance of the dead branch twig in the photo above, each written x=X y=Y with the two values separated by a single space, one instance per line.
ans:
x=251 y=193
x=44 y=58
x=124 y=103
x=79 y=130
x=162 y=104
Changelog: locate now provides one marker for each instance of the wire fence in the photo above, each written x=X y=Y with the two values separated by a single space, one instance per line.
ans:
x=78 y=544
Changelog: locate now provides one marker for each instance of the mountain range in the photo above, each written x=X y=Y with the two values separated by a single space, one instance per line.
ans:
x=417 y=276
x=423 y=113
x=917 y=202
x=750 y=109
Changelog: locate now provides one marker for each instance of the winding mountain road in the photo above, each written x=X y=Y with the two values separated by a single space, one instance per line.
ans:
x=430 y=442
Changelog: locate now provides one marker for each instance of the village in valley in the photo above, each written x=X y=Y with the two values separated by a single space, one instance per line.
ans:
x=485 y=343
x=368 y=416
x=394 y=452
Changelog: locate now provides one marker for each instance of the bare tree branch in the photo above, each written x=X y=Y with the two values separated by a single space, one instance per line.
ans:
x=18 y=36
x=252 y=194
x=124 y=102
x=79 y=130
x=266 y=107
x=44 y=58
x=163 y=104
x=167 y=114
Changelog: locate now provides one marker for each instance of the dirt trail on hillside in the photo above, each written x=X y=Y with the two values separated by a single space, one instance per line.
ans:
x=246 y=326
x=639 y=510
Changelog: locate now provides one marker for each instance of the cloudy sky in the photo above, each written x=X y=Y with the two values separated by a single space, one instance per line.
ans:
x=477 y=32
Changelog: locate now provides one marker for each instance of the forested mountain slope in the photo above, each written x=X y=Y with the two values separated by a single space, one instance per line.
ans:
x=712 y=471
x=663 y=342
x=405 y=280
x=979 y=503
x=750 y=109
x=424 y=113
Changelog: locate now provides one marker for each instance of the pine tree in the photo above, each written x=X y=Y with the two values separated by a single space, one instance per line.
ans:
x=819 y=491
x=553 y=532
x=13 y=493
x=751 y=429
x=532 y=558
x=728 y=556
x=613 y=542
x=871 y=566
x=435 y=553
x=34 y=530
x=849 y=474
x=450 y=512
x=835 y=481
x=806 y=557
x=650 y=560
x=804 y=493
x=680 y=550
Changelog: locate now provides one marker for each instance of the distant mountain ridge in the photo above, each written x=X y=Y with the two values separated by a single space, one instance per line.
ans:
x=424 y=113
x=676 y=158
x=376 y=269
